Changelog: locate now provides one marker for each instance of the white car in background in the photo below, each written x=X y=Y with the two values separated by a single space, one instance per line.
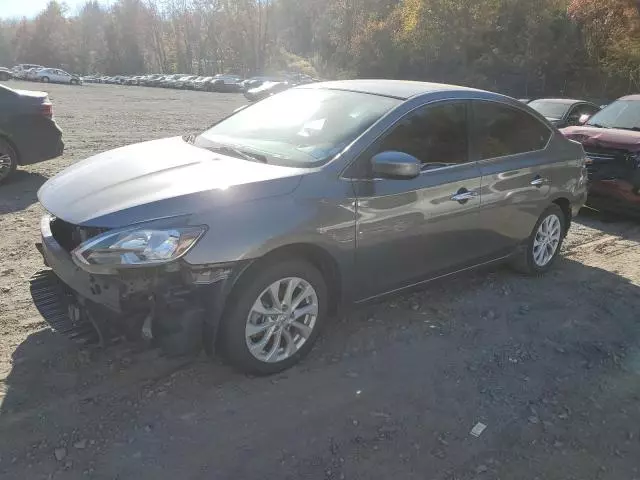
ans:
x=55 y=75
x=31 y=74
x=20 y=71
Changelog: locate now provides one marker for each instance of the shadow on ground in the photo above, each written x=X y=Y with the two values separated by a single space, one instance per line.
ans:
x=20 y=191
x=549 y=364
x=619 y=225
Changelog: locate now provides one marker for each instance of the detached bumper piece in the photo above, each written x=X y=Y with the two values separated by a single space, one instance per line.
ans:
x=57 y=307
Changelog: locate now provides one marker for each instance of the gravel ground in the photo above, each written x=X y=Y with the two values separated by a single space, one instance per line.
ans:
x=550 y=365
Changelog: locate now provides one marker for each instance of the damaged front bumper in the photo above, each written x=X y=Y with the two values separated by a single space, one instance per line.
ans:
x=177 y=306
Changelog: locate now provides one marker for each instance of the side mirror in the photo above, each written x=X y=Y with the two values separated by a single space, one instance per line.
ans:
x=584 y=118
x=396 y=165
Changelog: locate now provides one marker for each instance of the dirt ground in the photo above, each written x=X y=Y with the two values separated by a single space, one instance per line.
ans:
x=550 y=365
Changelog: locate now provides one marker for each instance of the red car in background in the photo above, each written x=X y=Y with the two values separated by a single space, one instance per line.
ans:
x=611 y=141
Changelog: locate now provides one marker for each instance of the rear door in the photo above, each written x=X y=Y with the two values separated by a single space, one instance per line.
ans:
x=510 y=147
x=413 y=229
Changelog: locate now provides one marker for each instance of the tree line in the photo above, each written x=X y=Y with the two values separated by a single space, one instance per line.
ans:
x=519 y=47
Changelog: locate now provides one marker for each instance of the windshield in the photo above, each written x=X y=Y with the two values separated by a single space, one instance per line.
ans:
x=623 y=114
x=550 y=109
x=299 y=127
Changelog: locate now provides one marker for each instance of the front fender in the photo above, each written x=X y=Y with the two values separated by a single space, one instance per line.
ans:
x=251 y=230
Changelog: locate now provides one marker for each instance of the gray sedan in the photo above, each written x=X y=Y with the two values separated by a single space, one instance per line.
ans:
x=247 y=238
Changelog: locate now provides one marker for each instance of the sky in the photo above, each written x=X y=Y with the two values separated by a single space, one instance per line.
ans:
x=30 y=8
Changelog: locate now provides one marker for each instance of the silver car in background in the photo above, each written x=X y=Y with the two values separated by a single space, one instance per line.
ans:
x=246 y=238
x=55 y=75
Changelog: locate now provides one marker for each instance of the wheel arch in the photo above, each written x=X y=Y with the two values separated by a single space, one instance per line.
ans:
x=565 y=206
x=316 y=255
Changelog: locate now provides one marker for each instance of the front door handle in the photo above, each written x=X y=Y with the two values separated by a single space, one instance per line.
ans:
x=463 y=195
x=538 y=181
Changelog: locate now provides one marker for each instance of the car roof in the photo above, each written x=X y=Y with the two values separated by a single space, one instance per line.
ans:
x=401 y=89
x=564 y=101
x=635 y=97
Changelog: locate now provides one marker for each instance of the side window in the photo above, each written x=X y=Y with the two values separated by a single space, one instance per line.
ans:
x=578 y=111
x=584 y=109
x=501 y=130
x=436 y=135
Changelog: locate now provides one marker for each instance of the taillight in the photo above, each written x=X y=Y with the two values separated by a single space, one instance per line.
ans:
x=47 y=110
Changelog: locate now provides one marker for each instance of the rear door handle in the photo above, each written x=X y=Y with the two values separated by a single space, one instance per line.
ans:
x=538 y=181
x=463 y=196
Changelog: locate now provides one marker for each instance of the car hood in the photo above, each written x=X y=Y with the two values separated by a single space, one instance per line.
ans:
x=604 y=137
x=158 y=179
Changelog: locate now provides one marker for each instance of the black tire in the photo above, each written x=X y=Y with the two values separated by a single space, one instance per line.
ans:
x=45 y=79
x=73 y=82
x=231 y=336
x=4 y=76
x=7 y=153
x=524 y=261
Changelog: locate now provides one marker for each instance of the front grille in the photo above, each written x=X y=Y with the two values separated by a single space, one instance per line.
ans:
x=69 y=236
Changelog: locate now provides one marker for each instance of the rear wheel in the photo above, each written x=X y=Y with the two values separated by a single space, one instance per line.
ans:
x=73 y=82
x=544 y=243
x=45 y=79
x=275 y=317
x=8 y=160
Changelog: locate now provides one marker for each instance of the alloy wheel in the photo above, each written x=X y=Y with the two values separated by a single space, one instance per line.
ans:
x=547 y=239
x=281 y=319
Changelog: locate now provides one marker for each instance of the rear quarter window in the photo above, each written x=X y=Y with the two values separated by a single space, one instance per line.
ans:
x=501 y=130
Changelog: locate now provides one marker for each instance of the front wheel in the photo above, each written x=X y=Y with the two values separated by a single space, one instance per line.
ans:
x=45 y=79
x=275 y=317
x=544 y=243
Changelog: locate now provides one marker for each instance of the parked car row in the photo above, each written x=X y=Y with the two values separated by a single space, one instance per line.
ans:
x=38 y=73
x=215 y=83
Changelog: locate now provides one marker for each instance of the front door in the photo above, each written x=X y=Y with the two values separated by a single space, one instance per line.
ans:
x=411 y=230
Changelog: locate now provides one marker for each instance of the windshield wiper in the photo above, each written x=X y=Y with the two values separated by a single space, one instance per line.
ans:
x=234 y=152
x=597 y=125
x=633 y=129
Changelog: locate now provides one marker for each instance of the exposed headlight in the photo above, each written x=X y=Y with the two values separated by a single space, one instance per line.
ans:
x=134 y=247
